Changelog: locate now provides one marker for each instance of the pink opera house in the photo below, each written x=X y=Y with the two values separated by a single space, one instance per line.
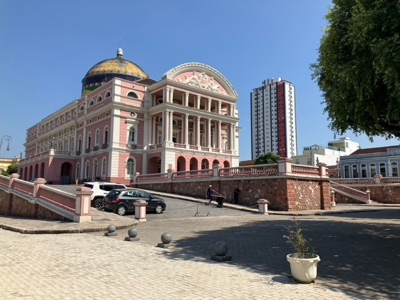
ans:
x=126 y=124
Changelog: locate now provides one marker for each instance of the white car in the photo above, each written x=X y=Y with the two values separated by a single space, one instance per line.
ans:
x=100 y=189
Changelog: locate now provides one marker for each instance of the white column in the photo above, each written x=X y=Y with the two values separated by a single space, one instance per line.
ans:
x=198 y=101
x=166 y=126
x=171 y=126
x=232 y=138
x=165 y=94
x=186 y=99
x=208 y=133
x=186 y=129
x=209 y=104
x=219 y=107
x=198 y=131
x=171 y=95
x=219 y=136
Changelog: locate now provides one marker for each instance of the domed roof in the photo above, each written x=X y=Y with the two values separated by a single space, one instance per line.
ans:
x=108 y=69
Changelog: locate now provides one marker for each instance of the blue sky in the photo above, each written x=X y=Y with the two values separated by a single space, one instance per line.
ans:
x=48 y=46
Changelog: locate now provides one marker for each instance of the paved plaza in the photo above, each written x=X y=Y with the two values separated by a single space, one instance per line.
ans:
x=359 y=258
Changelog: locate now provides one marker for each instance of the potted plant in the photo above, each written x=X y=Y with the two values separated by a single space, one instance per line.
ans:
x=303 y=263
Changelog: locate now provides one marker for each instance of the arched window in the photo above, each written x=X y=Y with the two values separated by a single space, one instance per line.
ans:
x=95 y=170
x=79 y=144
x=97 y=139
x=346 y=172
x=382 y=169
x=87 y=172
x=99 y=99
x=78 y=171
x=363 y=171
x=89 y=140
x=373 y=169
x=132 y=95
x=132 y=136
x=130 y=167
x=104 y=168
x=355 y=171
x=108 y=94
x=105 y=137
x=395 y=169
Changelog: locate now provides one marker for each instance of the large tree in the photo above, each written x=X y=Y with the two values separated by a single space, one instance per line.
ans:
x=267 y=158
x=358 y=68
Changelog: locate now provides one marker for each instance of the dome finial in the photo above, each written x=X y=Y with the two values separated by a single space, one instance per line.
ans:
x=120 y=52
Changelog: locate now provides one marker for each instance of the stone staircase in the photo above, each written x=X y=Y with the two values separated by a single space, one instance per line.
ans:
x=351 y=192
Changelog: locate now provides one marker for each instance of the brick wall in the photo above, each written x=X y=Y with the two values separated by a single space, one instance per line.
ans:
x=382 y=193
x=284 y=193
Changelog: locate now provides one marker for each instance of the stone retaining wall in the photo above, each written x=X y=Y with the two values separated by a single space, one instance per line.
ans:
x=13 y=205
x=284 y=193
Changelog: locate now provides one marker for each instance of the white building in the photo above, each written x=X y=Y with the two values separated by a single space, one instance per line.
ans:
x=329 y=155
x=273 y=119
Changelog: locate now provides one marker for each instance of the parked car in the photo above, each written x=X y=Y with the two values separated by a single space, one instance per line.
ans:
x=122 y=201
x=100 y=189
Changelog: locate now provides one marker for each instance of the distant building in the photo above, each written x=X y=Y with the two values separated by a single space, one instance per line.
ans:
x=366 y=163
x=126 y=123
x=5 y=162
x=273 y=119
x=329 y=155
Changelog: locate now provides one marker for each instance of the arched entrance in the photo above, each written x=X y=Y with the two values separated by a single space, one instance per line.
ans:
x=36 y=175
x=194 y=164
x=205 y=164
x=154 y=165
x=66 y=173
x=226 y=164
x=42 y=170
x=215 y=162
x=181 y=164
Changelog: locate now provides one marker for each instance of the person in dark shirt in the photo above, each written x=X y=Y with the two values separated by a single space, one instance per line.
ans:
x=236 y=194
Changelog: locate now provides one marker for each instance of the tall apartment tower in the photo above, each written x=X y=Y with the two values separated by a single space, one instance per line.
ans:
x=273 y=119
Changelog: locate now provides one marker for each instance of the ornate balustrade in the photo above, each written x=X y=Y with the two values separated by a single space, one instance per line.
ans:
x=206 y=173
x=305 y=170
x=257 y=170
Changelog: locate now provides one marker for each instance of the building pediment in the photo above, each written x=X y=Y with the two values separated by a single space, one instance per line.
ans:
x=201 y=76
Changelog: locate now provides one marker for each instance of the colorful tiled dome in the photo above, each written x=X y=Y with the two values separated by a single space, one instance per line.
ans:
x=108 y=69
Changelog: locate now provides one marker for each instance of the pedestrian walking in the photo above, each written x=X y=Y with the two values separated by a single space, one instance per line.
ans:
x=236 y=194
x=210 y=194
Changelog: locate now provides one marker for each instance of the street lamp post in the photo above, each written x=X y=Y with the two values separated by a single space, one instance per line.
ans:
x=7 y=139
x=313 y=147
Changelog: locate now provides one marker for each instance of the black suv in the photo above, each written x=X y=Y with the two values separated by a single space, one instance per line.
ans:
x=100 y=189
x=122 y=201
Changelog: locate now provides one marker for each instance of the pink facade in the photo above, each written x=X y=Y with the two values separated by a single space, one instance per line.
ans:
x=186 y=121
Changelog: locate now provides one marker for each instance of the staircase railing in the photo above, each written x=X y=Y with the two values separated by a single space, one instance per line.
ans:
x=350 y=192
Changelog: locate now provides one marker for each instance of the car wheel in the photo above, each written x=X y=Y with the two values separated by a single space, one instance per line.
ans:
x=121 y=210
x=98 y=203
x=158 y=209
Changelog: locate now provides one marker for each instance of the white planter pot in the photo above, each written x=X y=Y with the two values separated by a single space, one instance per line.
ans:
x=304 y=270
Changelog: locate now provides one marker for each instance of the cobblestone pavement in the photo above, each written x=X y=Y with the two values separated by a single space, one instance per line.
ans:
x=358 y=250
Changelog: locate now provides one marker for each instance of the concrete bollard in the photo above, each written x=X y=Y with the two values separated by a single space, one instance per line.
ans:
x=166 y=239
x=263 y=206
x=132 y=235
x=111 y=231
x=140 y=210
x=220 y=249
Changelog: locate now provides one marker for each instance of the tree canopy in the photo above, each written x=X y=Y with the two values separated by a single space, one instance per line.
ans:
x=358 y=68
x=267 y=158
x=11 y=169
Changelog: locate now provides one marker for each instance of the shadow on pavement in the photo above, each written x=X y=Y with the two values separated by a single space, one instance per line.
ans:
x=361 y=260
